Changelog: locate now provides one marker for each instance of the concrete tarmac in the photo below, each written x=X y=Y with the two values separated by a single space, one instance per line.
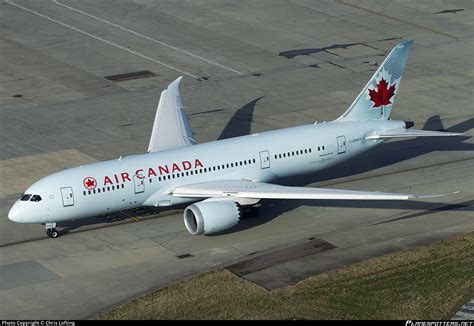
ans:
x=248 y=67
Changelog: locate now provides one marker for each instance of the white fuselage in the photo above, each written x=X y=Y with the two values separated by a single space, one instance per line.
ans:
x=148 y=179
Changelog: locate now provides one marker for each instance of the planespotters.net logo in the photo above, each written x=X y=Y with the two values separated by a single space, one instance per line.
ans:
x=439 y=323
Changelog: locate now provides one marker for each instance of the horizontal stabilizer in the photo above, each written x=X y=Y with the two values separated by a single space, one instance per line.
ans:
x=260 y=190
x=403 y=133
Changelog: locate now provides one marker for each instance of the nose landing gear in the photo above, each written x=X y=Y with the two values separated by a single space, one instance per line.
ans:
x=51 y=231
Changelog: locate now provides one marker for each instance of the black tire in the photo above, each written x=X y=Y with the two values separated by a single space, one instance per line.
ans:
x=254 y=211
x=250 y=212
x=48 y=232
x=54 y=234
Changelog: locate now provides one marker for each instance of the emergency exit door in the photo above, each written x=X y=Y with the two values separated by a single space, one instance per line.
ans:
x=68 y=197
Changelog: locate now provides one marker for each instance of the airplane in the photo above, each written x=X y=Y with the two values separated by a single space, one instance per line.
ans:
x=221 y=178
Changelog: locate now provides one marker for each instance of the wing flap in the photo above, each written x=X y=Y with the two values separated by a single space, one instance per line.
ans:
x=260 y=190
x=411 y=133
x=171 y=127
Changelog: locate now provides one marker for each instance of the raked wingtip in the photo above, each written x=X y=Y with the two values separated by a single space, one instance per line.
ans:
x=435 y=196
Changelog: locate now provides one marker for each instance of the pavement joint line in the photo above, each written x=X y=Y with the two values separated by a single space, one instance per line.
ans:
x=394 y=18
x=148 y=38
x=34 y=12
x=126 y=214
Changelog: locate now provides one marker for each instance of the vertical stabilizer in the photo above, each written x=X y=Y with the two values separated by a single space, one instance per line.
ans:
x=376 y=99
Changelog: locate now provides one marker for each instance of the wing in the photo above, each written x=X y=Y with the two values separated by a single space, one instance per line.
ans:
x=259 y=190
x=171 y=128
x=411 y=133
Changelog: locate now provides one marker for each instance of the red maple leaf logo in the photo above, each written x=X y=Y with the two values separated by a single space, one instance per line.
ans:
x=90 y=183
x=382 y=95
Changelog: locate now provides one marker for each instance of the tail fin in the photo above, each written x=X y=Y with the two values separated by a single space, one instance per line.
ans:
x=376 y=99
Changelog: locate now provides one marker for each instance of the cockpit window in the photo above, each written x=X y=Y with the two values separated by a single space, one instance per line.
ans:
x=25 y=197
x=36 y=198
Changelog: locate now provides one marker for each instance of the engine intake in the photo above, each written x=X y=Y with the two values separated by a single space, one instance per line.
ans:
x=209 y=217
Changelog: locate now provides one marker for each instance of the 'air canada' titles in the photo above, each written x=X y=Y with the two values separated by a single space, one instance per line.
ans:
x=152 y=172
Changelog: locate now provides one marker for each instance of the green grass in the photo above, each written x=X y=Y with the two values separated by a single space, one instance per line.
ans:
x=429 y=282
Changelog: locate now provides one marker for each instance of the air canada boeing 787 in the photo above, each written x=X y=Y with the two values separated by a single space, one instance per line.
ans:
x=223 y=176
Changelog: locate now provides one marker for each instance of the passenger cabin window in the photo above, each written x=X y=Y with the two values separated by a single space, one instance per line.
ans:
x=36 y=198
x=25 y=197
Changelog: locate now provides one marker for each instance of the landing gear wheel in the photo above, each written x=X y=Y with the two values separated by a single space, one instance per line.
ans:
x=254 y=211
x=51 y=230
x=53 y=233
x=250 y=212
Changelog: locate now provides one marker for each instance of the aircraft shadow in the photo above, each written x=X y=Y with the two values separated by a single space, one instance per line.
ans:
x=240 y=122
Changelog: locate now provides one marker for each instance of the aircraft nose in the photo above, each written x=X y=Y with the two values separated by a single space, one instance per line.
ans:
x=15 y=213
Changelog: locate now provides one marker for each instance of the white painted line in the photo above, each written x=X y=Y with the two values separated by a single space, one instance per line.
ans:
x=101 y=39
x=148 y=38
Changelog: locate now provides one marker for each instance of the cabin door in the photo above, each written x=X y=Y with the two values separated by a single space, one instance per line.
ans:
x=264 y=159
x=68 y=197
x=139 y=184
x=341 y=144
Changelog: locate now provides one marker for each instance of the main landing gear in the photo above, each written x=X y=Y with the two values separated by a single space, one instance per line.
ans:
x=51 y=231
x=250 y=212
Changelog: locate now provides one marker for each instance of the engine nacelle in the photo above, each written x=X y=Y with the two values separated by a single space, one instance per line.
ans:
x=209 y=217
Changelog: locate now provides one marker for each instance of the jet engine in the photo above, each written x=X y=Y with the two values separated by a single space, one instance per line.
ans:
x=207 y=217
